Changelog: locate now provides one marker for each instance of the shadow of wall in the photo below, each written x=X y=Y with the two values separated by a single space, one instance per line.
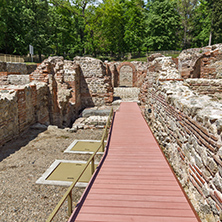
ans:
x=96 y=82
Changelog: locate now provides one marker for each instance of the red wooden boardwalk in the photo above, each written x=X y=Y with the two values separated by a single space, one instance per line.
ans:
x=135 y=182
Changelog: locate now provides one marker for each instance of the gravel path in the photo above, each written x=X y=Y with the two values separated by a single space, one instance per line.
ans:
x=23 y=161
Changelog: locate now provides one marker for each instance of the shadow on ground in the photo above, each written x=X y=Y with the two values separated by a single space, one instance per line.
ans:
x=16 y=144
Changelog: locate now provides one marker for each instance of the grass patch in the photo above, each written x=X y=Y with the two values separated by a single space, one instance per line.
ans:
x=31 y=63
x=140 y=59
x=173 y=55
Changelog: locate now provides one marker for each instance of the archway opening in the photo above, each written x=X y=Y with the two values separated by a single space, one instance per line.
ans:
x=126 y=76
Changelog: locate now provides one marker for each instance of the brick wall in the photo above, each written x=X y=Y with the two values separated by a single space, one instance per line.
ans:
x=129 y=74
x=8 y=116
x=201 y=62
x=210 y=87
x=4 y=78
x=188 y=126
x=18 y=108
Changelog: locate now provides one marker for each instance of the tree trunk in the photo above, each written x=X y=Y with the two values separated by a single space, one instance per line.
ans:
x=40 y=56
x=210 y=38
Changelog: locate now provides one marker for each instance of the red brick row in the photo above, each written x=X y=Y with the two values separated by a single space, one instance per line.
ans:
x=200 y=132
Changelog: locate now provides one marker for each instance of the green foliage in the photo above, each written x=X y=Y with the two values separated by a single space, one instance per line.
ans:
x=186 y=9
x=141 y=59
x=134 y=18
x=201 y=24
x=217 y=21
x=163 y=25
x=111 y=21
x=3 y=26
x=108 y=29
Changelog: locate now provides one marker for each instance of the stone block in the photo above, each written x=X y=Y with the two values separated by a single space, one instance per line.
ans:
x=198 y=161
x=211 y=165
x=217 y=181
x=12 y=67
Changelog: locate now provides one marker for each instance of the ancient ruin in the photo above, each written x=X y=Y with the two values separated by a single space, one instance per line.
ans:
x=180 y=99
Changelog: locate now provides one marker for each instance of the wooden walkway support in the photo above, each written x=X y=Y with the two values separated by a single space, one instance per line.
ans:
x=135 y=182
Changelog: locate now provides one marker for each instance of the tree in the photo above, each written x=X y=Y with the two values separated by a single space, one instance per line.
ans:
x=186 y=10
x=76 y=9
x=163 y=25
x=201 y=24
x=3 y=25
x=111 y=22
x=12 y=27
x=37 y=25
x=64 y=39
x=217 y=21
x=134 y=17
x=207 y=23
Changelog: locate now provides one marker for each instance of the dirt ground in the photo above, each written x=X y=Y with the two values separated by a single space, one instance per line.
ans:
x=23 y=161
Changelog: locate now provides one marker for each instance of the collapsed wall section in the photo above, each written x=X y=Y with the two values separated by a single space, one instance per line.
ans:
x=53 y=94
x=63 y=80
x=96 y=86
x=188 y=126
x=201 y=62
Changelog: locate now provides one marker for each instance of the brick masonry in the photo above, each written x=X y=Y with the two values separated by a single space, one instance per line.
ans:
x=185 y=115
x=129 y=74
x=53 y=94
x=188 y=125
x=201 y=62
x=17 y=107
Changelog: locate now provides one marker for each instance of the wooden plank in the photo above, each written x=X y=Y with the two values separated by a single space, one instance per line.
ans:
x=142 y=211
x=137 y=204
x=126 y=218
x=138 y=186
x=170 y=193
x=145 y=183
x=131 y=198
x=138 y=178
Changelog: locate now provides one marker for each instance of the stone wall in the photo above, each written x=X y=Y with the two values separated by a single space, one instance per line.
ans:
x=188 y=127
x=210 y=87
x=13 y=67
x=126 y=76
x=53 y=94
x=141 y=71
x=15 y=73
x=21 y=107
x=63 y=80
x=96 y=82
x=7 y=78
x=18 y=79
